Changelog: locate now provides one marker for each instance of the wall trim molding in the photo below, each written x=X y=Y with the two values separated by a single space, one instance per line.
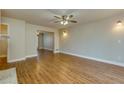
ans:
x=22 y=59
x=86 y=57
x=95 y=59
x=15 y=60
x=56 y=51
x=48 y=49
x=29 y=56
x=40 y=48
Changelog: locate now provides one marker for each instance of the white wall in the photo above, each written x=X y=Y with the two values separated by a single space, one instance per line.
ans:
x=23 y=40
x=101 y=40
x=56 y=41
x=48 y=40
x=16 y=46
x=32 y=39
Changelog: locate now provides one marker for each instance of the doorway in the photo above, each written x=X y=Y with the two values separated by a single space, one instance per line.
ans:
x=46 y=41
x=3 y=43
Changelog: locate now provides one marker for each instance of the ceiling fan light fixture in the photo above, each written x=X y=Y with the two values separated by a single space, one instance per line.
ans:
x=66 y=22
x=119 y=22
x=65 y=19
x=62 y=22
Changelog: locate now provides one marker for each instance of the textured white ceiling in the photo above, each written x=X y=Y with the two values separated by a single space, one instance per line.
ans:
x=45 y=17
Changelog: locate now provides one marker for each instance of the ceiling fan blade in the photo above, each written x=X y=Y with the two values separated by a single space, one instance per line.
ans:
x=70 y=16
x=73 y=21
x=56 y=21
x=64 y=17
x=57 y=17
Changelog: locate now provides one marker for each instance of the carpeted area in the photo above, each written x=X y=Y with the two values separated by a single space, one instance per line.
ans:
x=8 y=76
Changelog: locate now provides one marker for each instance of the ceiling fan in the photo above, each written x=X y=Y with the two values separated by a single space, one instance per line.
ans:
x=65 y=19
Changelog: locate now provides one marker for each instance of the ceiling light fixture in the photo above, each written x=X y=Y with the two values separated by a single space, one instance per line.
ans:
x=119 y=26
x=65 y=19
x=66 y=22
x=119 y=22
x=63 y=22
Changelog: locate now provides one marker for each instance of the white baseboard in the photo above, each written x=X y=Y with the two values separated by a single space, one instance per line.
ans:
x=91 y=58
x=40 y=48
x=15 y=60
x=29 y=56
x=95 y=59
x=56 y=51
x=22 y=59
x=48 y=49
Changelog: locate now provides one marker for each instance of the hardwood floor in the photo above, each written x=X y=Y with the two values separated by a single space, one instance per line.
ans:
x=65 y=69
x=3 y=61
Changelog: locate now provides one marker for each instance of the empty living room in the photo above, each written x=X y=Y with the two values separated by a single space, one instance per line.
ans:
x=62 y=46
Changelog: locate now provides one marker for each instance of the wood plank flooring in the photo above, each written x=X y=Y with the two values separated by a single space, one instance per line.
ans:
x=3 y=61
x=49 y=68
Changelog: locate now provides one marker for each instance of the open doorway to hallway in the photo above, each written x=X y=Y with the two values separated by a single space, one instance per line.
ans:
x=46 y=41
